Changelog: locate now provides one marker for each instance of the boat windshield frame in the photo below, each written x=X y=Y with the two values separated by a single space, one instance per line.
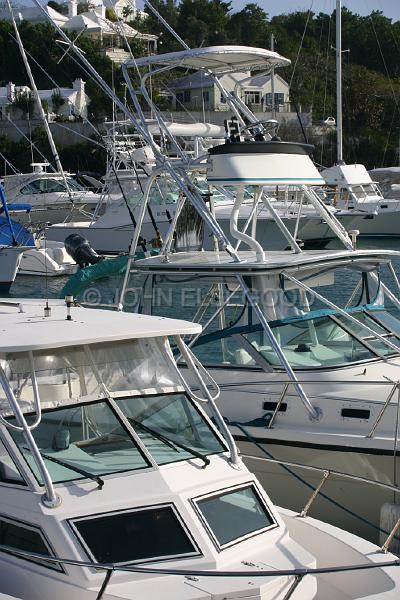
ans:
x=131 y=433
x=241 y=331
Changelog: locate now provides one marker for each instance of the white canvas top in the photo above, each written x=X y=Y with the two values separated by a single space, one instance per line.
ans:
x=31 y=330
x=275 y=260
x=217 y=59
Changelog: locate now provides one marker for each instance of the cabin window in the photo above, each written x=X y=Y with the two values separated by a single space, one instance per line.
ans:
x=151 y=533
x=170 y=427
x=8 y=471
x=81 y=442
x=234 y=515
x=28 y=538
x=43 y=186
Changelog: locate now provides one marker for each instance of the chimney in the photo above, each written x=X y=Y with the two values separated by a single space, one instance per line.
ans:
x=79 y=85
x=100 y=11
x=10 y=91
x=72 y=8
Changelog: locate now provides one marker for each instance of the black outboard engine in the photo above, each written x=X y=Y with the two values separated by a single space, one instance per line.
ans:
x=80 y=250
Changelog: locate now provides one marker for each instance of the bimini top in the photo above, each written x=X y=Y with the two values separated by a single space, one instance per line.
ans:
x=220 y=263
x=217 y=59
x=24 y=327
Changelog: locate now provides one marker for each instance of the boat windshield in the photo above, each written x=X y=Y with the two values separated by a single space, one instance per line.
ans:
x=50 y=185
x=92 y=439
x=320 y=338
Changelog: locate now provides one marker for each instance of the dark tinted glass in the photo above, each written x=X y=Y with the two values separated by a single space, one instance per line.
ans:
x=138 y=535
x=23 y=537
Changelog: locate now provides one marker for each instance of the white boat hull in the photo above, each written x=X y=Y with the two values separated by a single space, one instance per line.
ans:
x=10 y=258
x=334 y=442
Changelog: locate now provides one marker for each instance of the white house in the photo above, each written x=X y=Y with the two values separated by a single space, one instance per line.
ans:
x=66 y=102
x=112 y=34
x=199 y=91
x=33 y=14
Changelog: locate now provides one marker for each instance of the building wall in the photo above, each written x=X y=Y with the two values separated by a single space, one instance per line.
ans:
x=191 y=97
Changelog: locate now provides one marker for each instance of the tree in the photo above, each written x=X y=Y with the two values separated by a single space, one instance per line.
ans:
x=250 y=26
x=57 y=101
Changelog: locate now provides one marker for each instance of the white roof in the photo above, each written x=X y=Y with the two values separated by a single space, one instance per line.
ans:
x=32 y=14
x=221 y=262
x=346 y=175
x=31 y=330
x=218 y=59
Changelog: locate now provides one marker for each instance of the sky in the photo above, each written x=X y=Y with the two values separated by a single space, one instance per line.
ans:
x=390 y=8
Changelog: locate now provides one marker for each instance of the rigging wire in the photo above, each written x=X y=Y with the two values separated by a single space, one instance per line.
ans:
x=301 y=43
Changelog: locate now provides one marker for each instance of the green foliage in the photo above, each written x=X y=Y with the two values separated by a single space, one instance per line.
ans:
x=111 y=15
x=57 y=101
x=370 y=98
x=45 y=106
x=62 y=8
x=25 y=102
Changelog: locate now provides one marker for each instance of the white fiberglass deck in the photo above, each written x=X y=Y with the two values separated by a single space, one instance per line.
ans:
x=31 y=330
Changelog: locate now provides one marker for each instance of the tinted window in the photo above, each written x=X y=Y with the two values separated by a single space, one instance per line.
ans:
x=8 y=471
x=170 y=427
x=136 y=535
x=89 y=437
x=235 y=514
x=24 y=537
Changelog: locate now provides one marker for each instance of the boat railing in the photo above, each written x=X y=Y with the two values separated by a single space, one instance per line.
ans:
x=194 y=575
x=50 y=498
x=326 y=474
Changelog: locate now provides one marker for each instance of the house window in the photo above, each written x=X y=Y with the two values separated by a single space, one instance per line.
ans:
x=179 y=97
x=279 y=99
x=206 y=96
x=186 y=96
x=27 y=538
x=222 y=99
x=252 y=97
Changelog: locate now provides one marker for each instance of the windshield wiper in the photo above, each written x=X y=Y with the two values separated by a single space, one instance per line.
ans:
x=169 y=442
x=62 y=463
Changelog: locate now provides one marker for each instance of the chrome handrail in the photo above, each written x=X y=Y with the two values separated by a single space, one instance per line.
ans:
x=327 y=473
x=111 y=568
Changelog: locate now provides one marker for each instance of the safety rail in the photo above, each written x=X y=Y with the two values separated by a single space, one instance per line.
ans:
x=193 y=574
x=13 y=303
x=326 y=473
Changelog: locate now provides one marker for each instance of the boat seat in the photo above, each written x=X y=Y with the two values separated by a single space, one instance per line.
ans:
x=242 y=357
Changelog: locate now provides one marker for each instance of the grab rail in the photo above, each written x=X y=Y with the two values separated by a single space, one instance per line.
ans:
x=327 y=473
x=297 y=573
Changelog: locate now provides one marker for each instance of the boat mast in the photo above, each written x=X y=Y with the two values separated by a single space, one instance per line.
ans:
x=38 y=102
x=339 y=116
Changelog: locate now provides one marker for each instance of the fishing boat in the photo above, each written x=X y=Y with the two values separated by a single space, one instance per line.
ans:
x=116 y=484
x=349 y=341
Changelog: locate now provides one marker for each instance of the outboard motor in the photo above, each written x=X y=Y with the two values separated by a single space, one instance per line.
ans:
x=80 y=250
